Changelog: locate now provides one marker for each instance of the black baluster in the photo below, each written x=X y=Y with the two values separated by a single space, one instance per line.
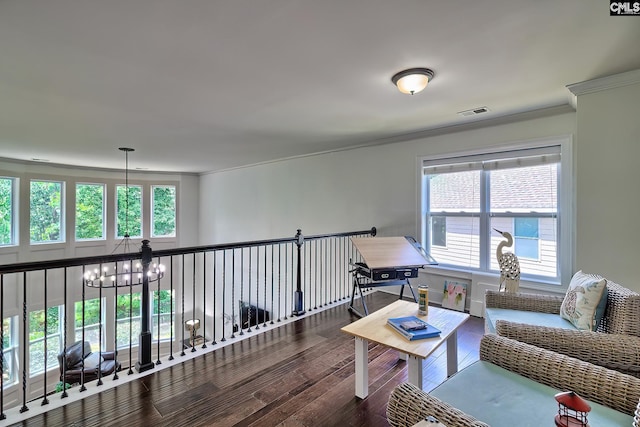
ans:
x=241 y=290
x=224 y=286
x=171 y=319
x=2 y=414
x=182 y=342
x=233 y=292
x=204 y=300
x=45 y=400
x=24 y=344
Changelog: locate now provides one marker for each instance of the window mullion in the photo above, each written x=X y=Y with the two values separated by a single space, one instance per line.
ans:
x=485 y=221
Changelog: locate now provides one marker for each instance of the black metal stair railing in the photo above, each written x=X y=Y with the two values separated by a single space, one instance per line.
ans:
x=231 y=289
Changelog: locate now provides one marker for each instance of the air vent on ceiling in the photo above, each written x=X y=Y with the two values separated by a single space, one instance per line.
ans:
x=474 y=111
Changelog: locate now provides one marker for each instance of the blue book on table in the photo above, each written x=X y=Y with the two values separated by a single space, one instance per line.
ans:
x=413 y=328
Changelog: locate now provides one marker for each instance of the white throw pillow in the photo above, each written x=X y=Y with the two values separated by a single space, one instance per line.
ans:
x=92 y=361
x=583 y=305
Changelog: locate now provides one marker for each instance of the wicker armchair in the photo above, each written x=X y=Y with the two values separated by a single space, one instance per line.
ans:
x=620 y=317
x=408 y=405
x=614 y=351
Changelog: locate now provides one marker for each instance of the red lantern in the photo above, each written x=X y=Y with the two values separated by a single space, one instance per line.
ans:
x=572 y=410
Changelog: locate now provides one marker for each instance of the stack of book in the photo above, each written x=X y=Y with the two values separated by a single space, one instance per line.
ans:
x=413 y=328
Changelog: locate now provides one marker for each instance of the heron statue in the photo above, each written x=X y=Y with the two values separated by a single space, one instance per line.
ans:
x=509 y=264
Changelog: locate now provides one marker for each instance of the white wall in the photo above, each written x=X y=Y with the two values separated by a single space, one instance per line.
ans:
x=341 y=191
x=608 y=197
x=344 y=191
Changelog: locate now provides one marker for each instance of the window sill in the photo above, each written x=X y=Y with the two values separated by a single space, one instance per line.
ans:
x=526 y=283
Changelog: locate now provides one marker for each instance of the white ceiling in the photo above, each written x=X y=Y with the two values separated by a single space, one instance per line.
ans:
x=205 y=85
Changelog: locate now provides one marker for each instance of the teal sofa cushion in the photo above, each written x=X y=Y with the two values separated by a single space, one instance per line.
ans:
x=497 y=397
x=492 y=315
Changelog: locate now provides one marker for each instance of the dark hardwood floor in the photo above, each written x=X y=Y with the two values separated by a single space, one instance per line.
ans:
x=300 y=374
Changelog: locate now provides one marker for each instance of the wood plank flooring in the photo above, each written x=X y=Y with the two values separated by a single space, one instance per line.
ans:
x=298 y=375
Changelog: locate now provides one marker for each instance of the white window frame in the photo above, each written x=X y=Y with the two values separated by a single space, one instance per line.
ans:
x=566 y=202
x=13 y=218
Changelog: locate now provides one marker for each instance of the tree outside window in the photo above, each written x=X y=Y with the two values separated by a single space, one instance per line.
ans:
x=6 y=211
x=164 y=211
x=128 y=318
x=37 y=338
x=46 y=212
x=129 y=214
x=163 y=314
x=89 y=211
x=92 y=320
x=9 y=351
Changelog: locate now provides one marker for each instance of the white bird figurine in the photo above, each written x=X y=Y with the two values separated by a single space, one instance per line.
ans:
x=509 y=265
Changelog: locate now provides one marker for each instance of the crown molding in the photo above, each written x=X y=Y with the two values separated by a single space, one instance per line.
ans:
x=605 y=83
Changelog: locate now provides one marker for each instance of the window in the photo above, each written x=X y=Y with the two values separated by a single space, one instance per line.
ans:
x=6 y=211
x=465 y=198
x=89 y=211
x=9 y=350
x=92 y=319
x=37 y=337
x=128 y=319
x=46 y=225
x=164 y=211
x=454 y=201
x=439 y=231
x=163 y=314
x=526 y=235
x=130 y=223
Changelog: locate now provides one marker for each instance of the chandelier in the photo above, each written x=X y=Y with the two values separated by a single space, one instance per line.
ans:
x=123 y=274
x=126 y=277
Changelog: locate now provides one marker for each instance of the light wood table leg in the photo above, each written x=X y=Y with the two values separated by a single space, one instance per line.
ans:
x=452 y=353
x=414 y=370
x=362 y=368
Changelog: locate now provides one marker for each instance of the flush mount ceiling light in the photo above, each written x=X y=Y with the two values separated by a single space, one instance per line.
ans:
x=413 y=80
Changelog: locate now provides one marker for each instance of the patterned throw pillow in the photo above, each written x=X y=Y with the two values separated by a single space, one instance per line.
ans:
x=584 y=303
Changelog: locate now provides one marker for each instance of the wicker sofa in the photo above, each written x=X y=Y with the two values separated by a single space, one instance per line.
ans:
x=620 y=316
x=517 y=381
x=614 y=351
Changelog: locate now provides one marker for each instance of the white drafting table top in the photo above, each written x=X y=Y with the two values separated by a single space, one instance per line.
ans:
x=388 y=252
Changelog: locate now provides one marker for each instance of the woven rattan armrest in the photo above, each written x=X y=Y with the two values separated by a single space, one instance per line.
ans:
x=595 y=383
x=613 y=351
x=621 y=314
x=408 y=405
x=524 y=301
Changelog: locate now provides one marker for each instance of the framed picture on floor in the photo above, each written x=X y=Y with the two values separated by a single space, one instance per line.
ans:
x=455 y=295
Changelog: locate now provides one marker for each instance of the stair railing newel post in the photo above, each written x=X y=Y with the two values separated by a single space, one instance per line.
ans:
x=144 y=362
x=298 y=308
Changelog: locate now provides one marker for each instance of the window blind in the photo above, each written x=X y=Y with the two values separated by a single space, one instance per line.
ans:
x=492 y=161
